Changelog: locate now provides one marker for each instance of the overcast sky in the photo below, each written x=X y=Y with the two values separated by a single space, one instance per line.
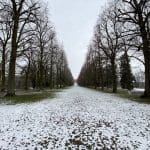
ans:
x=74 y=21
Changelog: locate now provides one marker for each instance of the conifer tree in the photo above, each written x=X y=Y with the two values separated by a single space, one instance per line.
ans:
x=126 y=80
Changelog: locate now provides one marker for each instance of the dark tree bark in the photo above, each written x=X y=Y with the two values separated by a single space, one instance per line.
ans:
x=147 y=74
x=3 y=68
x=11 y=75
x=114 y=77
x=41 y=68
x=27 y=77
x=146 y=51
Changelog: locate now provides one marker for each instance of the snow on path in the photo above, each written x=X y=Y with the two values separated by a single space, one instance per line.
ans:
x=78 y=118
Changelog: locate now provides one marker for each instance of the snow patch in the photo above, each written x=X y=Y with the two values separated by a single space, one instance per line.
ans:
x=78 y=118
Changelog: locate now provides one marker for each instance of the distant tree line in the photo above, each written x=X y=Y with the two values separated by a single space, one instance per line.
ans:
x=29 y=47
x=122 y=32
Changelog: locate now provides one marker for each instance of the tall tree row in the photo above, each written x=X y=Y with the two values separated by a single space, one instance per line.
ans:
x=135 y=14
x=122 y=31
x=30 y=48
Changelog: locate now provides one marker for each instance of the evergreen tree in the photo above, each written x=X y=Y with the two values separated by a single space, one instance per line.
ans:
x=125 y=72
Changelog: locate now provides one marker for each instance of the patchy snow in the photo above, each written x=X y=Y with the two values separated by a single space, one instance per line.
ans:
x=78 y=118
x=138 y=90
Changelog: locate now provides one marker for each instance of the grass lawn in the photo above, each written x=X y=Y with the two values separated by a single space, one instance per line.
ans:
x=28 y=97
x=125 y=94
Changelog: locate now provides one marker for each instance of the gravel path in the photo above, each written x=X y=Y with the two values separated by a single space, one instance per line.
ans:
x=77 y=119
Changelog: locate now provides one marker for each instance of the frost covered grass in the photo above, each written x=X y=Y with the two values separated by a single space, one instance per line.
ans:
x=77 y=118
x=27 y=97
x=134 y=95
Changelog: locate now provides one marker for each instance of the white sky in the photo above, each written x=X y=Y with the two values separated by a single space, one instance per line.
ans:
x=74 y=21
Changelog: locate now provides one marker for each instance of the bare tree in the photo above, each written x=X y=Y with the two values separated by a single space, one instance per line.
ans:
x=42 y=32
x=108 y=33
x=22 y=14
x=136 y=15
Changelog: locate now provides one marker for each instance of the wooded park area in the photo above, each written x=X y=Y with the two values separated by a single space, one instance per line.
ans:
x=122 y=32
x=32 y=57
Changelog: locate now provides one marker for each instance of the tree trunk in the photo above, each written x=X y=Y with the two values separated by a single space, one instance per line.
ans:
x=3 y=69
x=114 y=76
x=147 y=76
x=95 y=76
x=102 y=80
x=26 y=81
x=11 y=75
x=101 y=74
x=41 y=76
x=146 y=52
x=41 y=67
x=38 y=79
x=45 y=77
x=51 y=79
x=51 y=71
x=60 y=78
x=27 y=77
x=57 y=77
x=12 y=64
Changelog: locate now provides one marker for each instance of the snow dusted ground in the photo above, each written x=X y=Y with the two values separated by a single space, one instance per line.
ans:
x=137 y=91
x=77 y=118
